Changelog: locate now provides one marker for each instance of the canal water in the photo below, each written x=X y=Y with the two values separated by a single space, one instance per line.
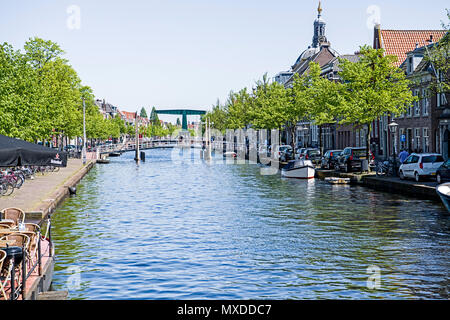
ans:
x=176 y=227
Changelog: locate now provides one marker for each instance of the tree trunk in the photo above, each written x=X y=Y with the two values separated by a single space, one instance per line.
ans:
x=320 y=140
x=369 y=126
x=293 y=140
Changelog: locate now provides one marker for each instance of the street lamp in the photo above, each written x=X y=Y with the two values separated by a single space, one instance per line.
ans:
x=393 y=128
x=84 y=133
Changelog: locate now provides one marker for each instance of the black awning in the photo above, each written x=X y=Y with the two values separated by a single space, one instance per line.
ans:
x=15 y=152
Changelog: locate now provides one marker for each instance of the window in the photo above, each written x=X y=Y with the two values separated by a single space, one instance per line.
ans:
x=409 y=112
x=410 y=65
x=426 y=140
x=416 y=104
x=414 y=159
x=417 y=139
x=425 y=102
x=432 y=159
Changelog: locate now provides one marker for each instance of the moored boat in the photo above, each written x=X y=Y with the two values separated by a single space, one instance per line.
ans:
x=443 y=190
x=114 y=154
x=299 y=169
x=336 y=180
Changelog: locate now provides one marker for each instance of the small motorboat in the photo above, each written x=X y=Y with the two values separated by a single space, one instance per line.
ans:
x=336 y=180
x=103 y=160
x=230 y=154
x=300 y=169
x=443 y=190
x=115 y=154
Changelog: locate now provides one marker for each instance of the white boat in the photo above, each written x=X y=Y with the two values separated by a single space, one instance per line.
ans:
x=443 y=190
x=300 y=169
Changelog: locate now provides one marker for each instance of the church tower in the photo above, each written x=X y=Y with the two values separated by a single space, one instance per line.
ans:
x=319 y=29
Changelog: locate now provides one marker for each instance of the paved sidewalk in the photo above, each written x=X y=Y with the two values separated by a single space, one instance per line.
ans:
x=34 y=192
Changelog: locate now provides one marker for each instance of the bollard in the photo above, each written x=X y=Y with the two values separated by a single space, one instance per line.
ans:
x=143 y=156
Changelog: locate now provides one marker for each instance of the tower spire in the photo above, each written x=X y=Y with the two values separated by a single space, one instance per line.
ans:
x=319 y=9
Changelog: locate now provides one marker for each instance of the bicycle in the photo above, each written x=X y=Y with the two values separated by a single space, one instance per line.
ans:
x=386 y=168
x=6 y=188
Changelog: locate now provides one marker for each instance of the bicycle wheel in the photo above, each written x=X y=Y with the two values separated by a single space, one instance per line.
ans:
x=55 y=169
x=7 y=189
x=380 y=171
x=19 y=181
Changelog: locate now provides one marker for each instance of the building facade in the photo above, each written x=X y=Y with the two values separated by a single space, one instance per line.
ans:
x=416 y=124
x=320 y=52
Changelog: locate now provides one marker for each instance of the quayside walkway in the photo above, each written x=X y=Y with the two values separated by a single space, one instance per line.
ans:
x=45 y=192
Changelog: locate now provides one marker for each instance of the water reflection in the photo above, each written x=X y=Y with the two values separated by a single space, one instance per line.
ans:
x=189 y=229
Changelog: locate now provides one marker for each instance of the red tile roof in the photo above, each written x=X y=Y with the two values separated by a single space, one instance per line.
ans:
x=129 y=115
x=399 y=42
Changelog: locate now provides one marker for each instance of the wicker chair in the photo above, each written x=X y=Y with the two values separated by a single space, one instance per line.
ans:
x=5 y=274
x=5 y=225
x=15 y=214
x=34 y=239
x=21 y=240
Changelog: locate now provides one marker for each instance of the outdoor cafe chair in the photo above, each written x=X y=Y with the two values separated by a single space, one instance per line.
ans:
x=5 y=274
x=21 y=240
x=5 y=225
x=33 y=231
x=15 y=214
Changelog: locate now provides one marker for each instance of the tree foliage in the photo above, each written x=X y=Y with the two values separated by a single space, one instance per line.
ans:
x=41 y=96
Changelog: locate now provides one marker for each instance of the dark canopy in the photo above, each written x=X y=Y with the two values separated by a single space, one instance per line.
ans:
x=15 y=152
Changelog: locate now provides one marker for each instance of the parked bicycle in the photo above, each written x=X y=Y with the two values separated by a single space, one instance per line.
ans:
x=386 y=168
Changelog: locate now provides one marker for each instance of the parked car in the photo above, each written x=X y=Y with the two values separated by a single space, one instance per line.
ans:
x=443 y=173
x=70 y=147
x=284 y=153
x=351 y=159
x=298 y=152
x=420 y=165
x=312 y=154
x=329 y=159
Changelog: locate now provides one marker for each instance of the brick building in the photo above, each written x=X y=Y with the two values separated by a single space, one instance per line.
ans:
x=415 y=126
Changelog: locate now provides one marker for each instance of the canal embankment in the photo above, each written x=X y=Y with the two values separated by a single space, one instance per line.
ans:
x=43 y=194
x=418 y=190
x=38 y=198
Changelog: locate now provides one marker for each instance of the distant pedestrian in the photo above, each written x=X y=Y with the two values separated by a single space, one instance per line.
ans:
x=403 y=155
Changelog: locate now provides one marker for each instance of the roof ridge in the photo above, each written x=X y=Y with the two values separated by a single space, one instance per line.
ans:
x=415 y=30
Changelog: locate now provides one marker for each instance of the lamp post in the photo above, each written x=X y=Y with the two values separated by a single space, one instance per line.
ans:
x=84 y=133
x=393 y=128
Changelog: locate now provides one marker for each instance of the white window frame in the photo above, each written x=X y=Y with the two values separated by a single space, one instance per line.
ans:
x=417 y=139
x=416 y=104
x=425 y=102
x=426 y=140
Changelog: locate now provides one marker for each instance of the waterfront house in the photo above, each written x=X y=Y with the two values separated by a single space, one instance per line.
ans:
x=320 y=52
x=425 y=125
x=106 y=109
x=401 y=43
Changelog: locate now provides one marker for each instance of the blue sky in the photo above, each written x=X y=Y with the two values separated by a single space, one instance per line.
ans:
x=187 y=54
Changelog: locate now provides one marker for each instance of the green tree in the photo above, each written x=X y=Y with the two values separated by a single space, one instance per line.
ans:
x=438 y=55
x=238 y=106
x=143 y=113
x=154 y=119
x=324 y=97
x=374 y=86
x=219 y=116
